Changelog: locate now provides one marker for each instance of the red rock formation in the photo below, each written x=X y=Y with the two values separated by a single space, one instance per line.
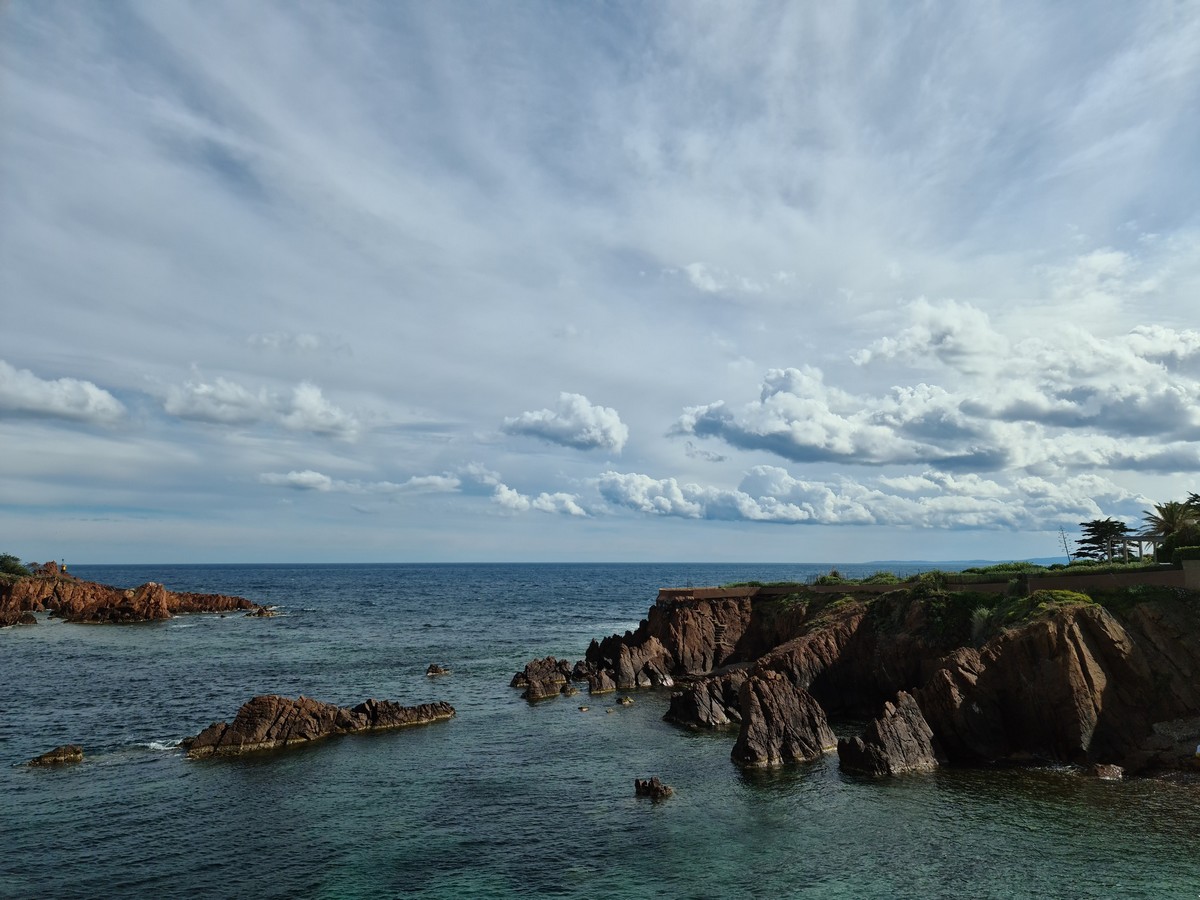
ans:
x=898 y=741
x=711 y=703
x=85 y=601
x=542 y=678
x=271 y=723
x=781 y=723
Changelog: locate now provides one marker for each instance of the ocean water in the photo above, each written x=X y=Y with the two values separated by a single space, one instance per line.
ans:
x=508 y=799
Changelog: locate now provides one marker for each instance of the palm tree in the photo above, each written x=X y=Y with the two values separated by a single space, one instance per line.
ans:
x=1172 y=521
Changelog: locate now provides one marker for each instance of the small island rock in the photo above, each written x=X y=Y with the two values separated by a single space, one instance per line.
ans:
x=59 y=756
x=272 y=722
x=652 y=788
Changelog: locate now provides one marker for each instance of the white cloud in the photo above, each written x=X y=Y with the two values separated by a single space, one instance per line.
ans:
x=515 y=501
x=316 y=481
x=307 y=480
x=1066 y=400
x=576 y=423
x=225 y=402
x=932 y=500
x=72 y=399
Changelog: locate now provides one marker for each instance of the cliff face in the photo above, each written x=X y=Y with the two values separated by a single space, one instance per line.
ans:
x=85 y=601
x=1064 y=681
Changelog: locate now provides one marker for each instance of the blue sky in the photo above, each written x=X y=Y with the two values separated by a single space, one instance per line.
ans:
x=594 y=281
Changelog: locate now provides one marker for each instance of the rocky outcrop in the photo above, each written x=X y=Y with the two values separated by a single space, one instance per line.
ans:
x=652 y=788
x=542 y=678
x=85 y=601
x=781 y=723
x=67 y=754
x=272 y=722
x=1059 y=678
x=898 y=741
x=709 y=704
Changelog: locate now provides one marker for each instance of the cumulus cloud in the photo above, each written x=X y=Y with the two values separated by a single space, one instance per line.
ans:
x=802 y=419
x=932 y=499
x=24 y=393
x=1065 y=400
x=225 y=402
x=956 y=334
x=575 y=423
x=308 y=480
x=515 y=501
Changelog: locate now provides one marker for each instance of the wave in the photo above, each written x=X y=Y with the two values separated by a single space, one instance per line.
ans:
x=160 y=745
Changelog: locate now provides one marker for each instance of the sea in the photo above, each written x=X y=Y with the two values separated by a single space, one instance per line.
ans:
x=509 y=798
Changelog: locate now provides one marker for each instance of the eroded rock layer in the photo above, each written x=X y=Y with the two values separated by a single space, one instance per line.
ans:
x=86 y=601
x=271 y=722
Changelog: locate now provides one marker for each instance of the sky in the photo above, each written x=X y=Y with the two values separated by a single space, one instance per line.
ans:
x=606 y=281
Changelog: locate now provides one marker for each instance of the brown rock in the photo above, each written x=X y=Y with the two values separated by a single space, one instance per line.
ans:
x=1108 y=772
x=435 y=671
x=781 y=723
x=711 y=703
x=27 y=618
x=272 y=722
x=601 y=683
x=898 y=741
x=652 y=788
x=59 y=756
x=84 y=601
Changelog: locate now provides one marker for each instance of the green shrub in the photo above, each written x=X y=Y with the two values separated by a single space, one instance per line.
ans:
x=10 y=565
x=1018 y=610
x=1182 y=553
x=882 y=578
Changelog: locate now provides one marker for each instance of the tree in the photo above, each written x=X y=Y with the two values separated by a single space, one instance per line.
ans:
x=1176 y=522
x=10 y=565
x=1100 y=538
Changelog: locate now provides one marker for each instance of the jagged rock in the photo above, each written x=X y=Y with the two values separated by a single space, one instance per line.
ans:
x=542 y=678
x=272 y=722
x=652 y=788
x=59 y=756
x=601 y=683
x=69 y=598
x=548 y=669
x=625 y=701
x=263 y=612
x=898 y=741
x=27 y=618
x=435 y=671
x=1108 y=772
x=711 y=703
x=781 y=723
x=1069 y=687
x=568 y=690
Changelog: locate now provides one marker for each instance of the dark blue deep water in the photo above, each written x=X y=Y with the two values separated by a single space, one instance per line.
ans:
x=507 y=799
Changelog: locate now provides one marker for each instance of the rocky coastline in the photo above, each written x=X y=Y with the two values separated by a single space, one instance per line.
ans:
x=75 y=600
x=942 y=677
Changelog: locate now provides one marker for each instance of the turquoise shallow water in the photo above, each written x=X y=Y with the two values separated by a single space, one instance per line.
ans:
x=508 y=799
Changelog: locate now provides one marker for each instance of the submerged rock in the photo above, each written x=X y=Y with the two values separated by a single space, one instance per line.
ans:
x=272 y=722
x=435 y=670
x=59 y=756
